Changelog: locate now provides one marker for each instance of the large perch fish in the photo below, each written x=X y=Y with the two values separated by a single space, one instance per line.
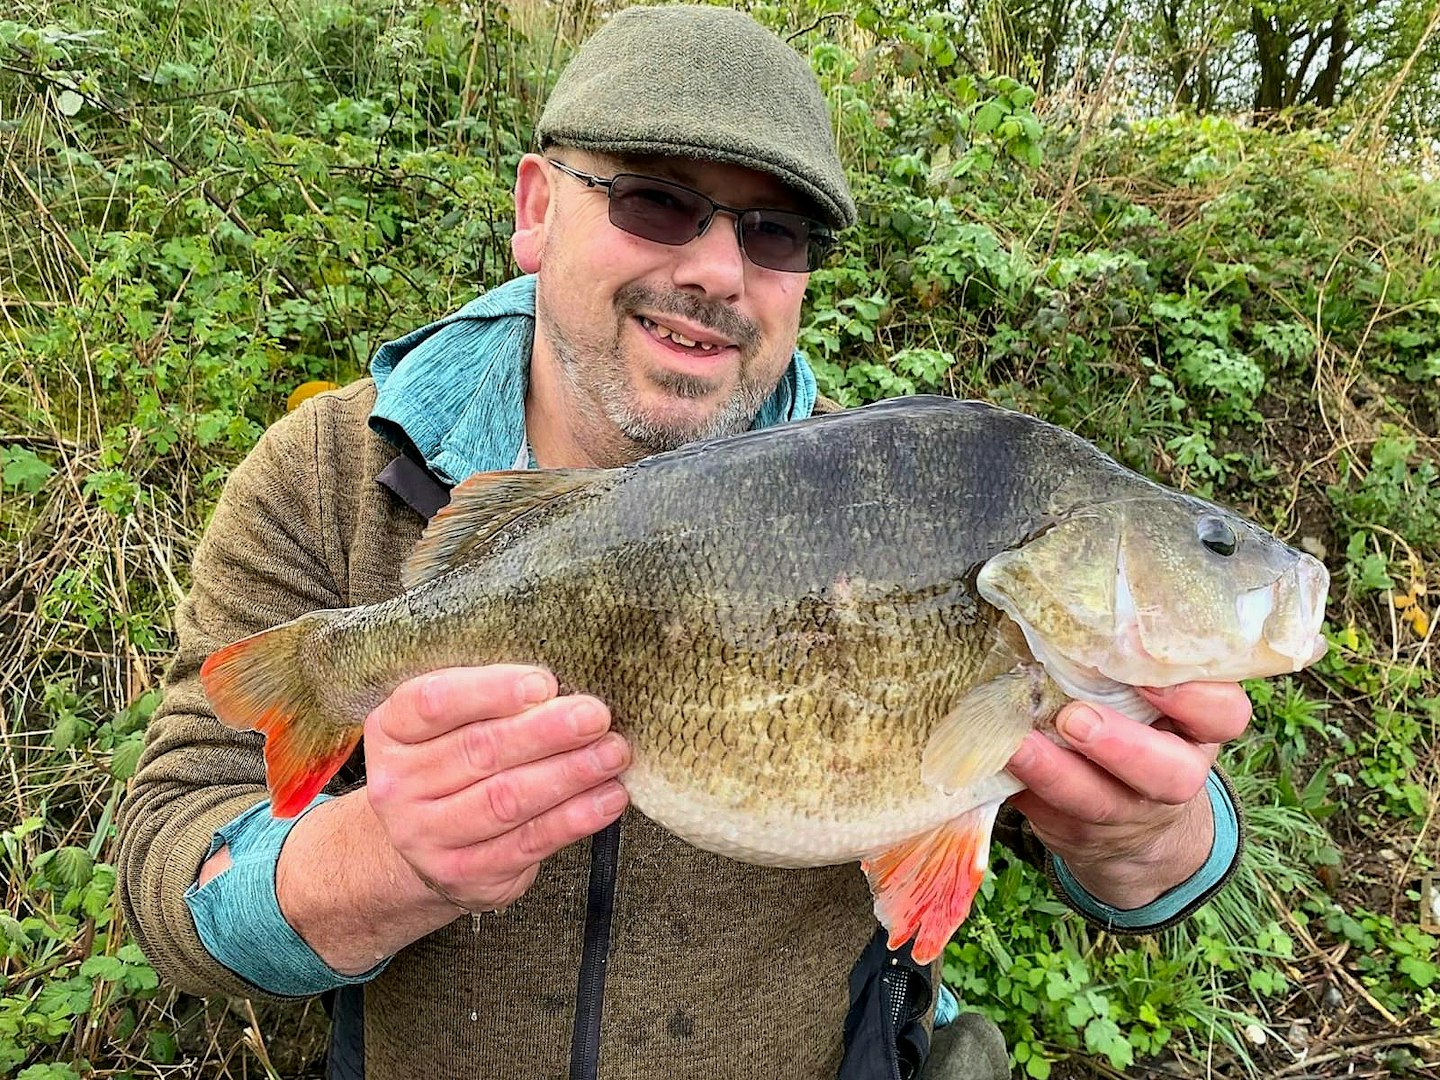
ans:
x=823 y=641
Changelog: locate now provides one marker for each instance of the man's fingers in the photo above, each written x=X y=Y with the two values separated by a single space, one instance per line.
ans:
x=1208 y=712
x=466 y=871
x=1066 y=787
x=441 y=701
x=453 y=761
x=506 y=801
x=1159 y=765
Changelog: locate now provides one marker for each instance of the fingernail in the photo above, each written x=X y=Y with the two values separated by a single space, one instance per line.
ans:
x=1079 y=724
x=587 y=718
x=535 y=688
x=432 y=695
x=611 y=798
x=610 y=753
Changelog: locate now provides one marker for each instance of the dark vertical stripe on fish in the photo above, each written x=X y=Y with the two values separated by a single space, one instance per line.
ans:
x=590 y=992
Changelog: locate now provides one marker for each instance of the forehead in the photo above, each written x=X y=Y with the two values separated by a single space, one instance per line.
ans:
x=733 y=185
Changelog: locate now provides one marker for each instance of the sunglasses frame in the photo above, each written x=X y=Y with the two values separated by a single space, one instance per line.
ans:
x=821 y=240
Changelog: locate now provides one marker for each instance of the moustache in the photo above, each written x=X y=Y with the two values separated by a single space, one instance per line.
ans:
x=721 y=318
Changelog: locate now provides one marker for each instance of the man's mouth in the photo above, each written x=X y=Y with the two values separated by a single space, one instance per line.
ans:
x=700 y=346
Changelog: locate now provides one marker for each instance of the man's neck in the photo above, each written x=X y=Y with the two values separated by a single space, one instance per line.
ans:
x=564 y=432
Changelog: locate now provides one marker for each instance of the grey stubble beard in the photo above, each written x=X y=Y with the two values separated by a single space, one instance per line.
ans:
x=602 y=377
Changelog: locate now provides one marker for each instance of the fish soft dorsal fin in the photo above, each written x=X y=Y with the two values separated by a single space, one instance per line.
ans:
x=484 y=505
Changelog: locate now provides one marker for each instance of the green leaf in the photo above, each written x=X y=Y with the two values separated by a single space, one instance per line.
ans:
x=1420 y=972
x=12 y=932
x=163 y=1047
x=49 y=1071
x=72 y=866
x=126 y=756
x=23 y=469
x=69 y=102
x=987 y=117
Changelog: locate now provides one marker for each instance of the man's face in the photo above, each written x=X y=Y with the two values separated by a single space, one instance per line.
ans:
x=615 y=311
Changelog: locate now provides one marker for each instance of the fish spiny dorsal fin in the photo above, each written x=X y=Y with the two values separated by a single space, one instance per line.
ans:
x=484 y=505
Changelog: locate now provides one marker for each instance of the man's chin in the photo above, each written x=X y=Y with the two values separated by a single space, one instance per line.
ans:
x=660 y=420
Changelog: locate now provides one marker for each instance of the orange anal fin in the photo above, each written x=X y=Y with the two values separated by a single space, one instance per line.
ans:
x=924 y=887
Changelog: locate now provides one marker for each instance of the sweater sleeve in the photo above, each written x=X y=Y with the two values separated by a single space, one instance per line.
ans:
x=266 y=557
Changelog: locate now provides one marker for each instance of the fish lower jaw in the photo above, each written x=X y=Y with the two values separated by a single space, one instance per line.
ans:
x=781 y=835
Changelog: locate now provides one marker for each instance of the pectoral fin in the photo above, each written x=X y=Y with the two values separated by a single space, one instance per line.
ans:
x=924 y=887
x=979 y=735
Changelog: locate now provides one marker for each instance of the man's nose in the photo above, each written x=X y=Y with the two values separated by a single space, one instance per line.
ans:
x=713 y=263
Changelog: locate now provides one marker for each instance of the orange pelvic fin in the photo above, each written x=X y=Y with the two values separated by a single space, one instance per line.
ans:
x=259 y=684
x=923 y=887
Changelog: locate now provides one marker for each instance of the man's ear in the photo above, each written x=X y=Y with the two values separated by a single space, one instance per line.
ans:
x=532 y=201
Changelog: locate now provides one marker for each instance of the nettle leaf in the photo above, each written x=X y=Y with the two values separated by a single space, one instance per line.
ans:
x=72 y=866
x=126 y=757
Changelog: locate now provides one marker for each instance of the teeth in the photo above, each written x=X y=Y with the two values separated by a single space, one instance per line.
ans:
x=662 y=331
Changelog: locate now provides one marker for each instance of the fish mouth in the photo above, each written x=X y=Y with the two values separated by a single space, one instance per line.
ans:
x=1285 y=616
x=1276 y=624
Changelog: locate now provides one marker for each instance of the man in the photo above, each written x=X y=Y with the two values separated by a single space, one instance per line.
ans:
x=484 y=884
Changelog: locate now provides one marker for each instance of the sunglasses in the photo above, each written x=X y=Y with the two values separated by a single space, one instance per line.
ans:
x=673 y=214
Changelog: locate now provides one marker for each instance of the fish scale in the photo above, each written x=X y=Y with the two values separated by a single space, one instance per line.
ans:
x=789 y=629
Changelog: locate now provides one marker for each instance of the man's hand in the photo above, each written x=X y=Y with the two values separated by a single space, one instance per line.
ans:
x=1126 y=807
x=473 y=776
x=478 y=774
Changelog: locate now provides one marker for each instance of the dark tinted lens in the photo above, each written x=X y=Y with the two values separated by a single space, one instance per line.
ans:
x=655 y=210
x=783 y=241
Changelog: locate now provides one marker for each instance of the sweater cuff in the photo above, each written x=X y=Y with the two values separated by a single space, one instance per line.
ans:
x=238 y=917
x=1184 y=899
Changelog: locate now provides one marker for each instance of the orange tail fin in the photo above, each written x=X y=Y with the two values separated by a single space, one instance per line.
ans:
x=259 y=684
x=923 y=887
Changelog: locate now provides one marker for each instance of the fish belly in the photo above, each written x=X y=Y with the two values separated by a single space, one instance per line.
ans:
x=756 y=828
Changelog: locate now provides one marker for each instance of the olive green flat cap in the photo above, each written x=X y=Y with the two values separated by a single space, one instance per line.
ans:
x=700 y=82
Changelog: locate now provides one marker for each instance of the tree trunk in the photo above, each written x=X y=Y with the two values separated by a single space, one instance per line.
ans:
x=1271 y=44
x=1327 y=83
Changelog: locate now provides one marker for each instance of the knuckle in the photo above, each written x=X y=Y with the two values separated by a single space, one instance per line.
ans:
x=534 y=841
x=503 y=801
x=1177 y=788
x=480 y=749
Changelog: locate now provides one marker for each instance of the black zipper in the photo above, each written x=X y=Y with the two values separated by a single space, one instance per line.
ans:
x=590 y=992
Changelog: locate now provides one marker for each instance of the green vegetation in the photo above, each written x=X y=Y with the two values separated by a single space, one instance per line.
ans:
x=204 y=205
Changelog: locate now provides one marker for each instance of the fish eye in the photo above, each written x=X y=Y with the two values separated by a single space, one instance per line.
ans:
x=1216 y=535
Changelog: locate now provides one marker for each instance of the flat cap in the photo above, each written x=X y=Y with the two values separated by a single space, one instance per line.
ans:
x=700 y=82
